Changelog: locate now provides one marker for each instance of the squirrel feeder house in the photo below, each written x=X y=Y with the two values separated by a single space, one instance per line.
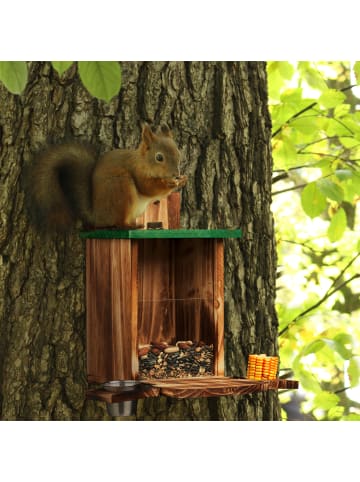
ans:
x=155 y=310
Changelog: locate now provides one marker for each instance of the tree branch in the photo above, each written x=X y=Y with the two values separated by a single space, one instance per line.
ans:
x=310 y=106
x=318 y=303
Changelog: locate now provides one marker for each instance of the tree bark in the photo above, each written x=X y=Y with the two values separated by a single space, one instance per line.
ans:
x=219 y=115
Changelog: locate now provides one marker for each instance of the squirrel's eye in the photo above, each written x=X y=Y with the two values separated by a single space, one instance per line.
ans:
x=159 y=157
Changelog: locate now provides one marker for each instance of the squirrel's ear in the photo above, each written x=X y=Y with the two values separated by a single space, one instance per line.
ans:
x=164 y=130
x=147 y=134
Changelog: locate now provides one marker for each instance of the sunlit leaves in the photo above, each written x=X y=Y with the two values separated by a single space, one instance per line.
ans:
x=14 y=76
x=335 y=412
x=331 y=98
x=277 y=72
x=354 y=371
x=337 y=226
x=312 y=76
x=306 y=125
x=331 y=190
x=344 y=344
x=319 y=131
x=285 y=152
x=357 y=71
x=316 y=140
x=325 y=400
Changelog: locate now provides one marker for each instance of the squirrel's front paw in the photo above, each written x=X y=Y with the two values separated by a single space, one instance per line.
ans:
x=170 y=183
x=181 y=181
x=174 y=182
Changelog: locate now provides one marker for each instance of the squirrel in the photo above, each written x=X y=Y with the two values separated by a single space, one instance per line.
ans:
x=67 y=182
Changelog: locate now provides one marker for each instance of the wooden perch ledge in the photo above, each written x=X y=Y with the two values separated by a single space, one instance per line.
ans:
x=212 y=386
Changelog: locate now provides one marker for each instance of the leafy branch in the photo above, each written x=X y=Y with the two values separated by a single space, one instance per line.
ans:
x=332 y=289
x=305 y=109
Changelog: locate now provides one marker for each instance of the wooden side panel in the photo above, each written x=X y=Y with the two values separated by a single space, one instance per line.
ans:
x=156 y=320
x=98 y=311
x=110 y=325
x=194 y=289
x=121 y=309
x=219 y=306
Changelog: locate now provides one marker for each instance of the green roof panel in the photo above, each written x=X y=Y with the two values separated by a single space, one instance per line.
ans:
x=160 y=233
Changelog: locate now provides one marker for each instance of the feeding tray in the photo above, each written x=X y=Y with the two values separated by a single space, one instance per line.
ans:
x=195 y=388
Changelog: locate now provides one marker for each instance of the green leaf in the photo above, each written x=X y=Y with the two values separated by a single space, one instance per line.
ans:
x=331 y=98
x=354 y=371
x=61 y=67
x=341 y=109
x=355 y=180
x=281 y=113
x=305 y=125
x=331 y=190
x=14 y=76
x=308 y=381
x=349 y=142
x=275 y=82
x=352 y=124
x=313 y=347
x=313 y=200
x=284 y=153
x=344 y=174
x=335 y=128
x=352 y=417
x=337 y=226
x=101 y=79
x=336 y=412
x=286 y=70
x=315 y=79
x=293 y=96
x=343 y=345
x=357 y=71
x=352 y=187
x=326 y=400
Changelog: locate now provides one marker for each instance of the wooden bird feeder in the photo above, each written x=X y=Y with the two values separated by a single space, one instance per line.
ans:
x=161 y=285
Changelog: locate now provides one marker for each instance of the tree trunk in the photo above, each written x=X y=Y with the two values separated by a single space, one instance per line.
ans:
x=218 y=111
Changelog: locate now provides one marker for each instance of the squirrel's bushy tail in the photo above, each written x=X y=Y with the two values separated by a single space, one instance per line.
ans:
x=58 y=186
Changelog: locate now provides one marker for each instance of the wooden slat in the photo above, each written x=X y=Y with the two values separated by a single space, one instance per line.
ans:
x=121 y=305
x=98 y=312
x=173 y=208
x=134 y=309
x=219 y=306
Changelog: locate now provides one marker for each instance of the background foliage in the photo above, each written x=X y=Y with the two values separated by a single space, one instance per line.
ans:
x=316 y=192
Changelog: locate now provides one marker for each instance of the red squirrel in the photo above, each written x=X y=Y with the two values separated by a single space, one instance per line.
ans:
x=66 y=182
